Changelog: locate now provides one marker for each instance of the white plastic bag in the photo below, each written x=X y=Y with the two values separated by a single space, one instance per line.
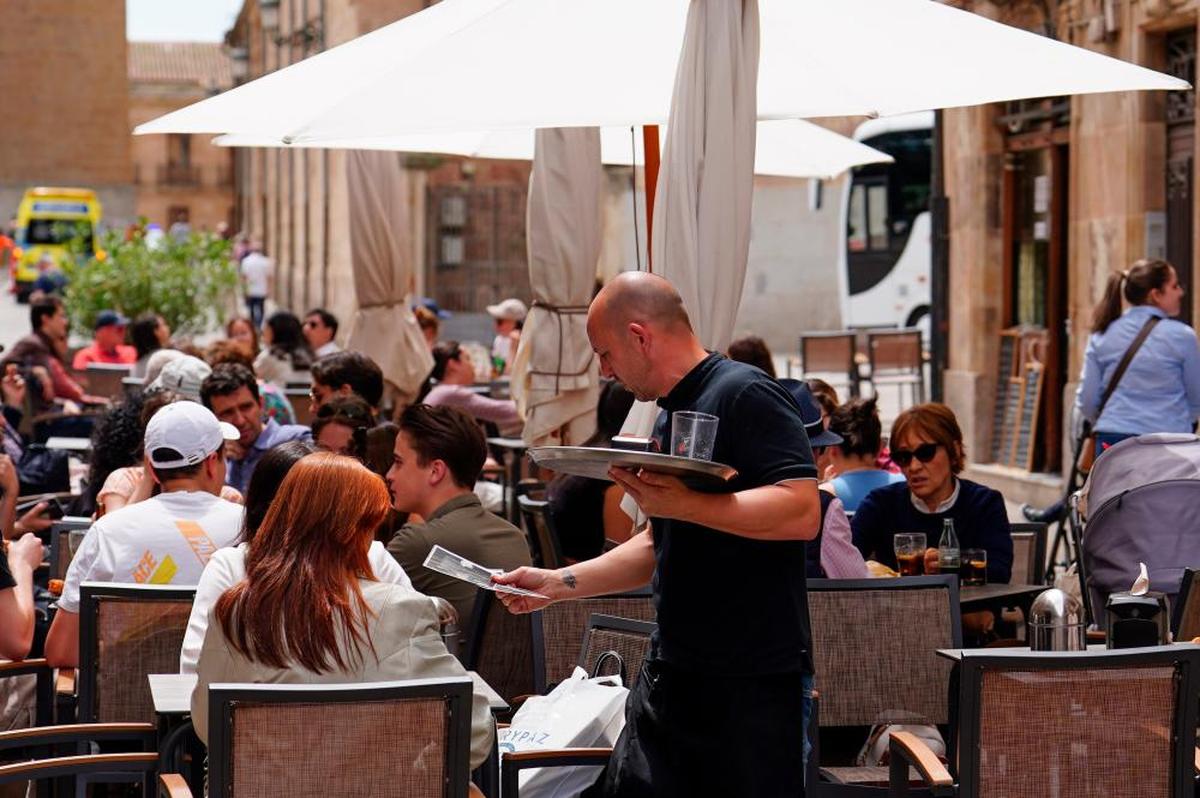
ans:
x=578 y=713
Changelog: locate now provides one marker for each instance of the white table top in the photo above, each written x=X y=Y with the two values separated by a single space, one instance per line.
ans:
x=509 y=443
x=69 y=444
x=172 y=692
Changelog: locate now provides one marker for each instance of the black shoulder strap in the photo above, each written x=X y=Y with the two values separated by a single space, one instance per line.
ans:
x=1142 y=335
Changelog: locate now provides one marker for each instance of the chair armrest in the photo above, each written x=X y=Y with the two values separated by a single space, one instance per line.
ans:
x=43 y=736
x=172 y=785
x=107 y=764
x=511 y=764
x=22 y=667
x=44 y=689
x=908 y=749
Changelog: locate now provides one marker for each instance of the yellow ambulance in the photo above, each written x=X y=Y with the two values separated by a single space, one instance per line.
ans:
x=48 y=219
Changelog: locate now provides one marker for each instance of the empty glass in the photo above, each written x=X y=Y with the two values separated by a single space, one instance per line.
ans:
x=693 y=434
x=910 y=553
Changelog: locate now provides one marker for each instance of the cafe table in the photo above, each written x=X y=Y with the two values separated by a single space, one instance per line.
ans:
x=995 y=597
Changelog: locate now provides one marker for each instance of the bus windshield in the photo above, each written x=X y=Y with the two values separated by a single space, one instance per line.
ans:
x=59 y=232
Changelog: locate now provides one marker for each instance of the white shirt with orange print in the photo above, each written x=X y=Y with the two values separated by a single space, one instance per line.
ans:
x=165 y=540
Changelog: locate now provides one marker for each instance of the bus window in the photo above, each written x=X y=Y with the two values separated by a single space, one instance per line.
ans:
x=877 y=212
x=856 y=235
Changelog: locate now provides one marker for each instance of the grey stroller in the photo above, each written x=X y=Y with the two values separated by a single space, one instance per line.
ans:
x=1141 y=503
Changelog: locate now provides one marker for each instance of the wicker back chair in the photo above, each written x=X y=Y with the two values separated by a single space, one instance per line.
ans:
x=499 y=647
x=105 y=379
x=558 y=628
x=628 y=639
x=127 y=632
x=896 y=358
x=544 y=548
x=405 y=738
x=1119 y=723
x=874 y=645
x=830 y=354
x=1029 y=554
x=60 y=544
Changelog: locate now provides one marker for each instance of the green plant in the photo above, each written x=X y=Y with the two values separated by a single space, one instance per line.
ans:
x=190 y=281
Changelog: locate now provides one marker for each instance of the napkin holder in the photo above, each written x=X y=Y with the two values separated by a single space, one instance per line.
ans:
x=1135 y=620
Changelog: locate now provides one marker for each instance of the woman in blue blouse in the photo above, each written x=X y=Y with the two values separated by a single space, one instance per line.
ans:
x=1160 y=391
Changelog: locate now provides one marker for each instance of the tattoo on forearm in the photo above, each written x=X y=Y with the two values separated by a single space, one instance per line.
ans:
x=568 y=578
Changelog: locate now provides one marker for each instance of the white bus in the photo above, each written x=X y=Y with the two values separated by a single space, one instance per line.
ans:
x=885 y=256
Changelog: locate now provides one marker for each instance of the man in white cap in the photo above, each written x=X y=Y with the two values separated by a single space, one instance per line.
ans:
x=508 y=315
x=167 y=539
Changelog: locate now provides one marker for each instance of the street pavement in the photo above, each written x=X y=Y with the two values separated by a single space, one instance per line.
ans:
x=14 y=318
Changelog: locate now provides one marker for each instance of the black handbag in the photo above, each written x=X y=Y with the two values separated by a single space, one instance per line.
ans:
x=43 y=470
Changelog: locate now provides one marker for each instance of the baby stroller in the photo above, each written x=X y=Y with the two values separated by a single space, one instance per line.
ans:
x=1141 y=504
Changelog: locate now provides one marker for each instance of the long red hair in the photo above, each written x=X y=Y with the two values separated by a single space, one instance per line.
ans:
x=304 y=566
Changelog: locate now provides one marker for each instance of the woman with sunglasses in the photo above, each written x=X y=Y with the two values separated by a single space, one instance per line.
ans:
x=927 y=444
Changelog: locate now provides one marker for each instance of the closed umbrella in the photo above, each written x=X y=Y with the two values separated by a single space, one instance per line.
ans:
x=555 y=374
x=384 y=328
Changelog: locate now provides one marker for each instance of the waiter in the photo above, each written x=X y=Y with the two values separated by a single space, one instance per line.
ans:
x=718 y=707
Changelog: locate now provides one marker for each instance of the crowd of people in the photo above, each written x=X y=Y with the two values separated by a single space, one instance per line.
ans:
x=307 y=541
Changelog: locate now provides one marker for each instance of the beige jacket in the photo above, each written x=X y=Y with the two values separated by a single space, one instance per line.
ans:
x=407 y=642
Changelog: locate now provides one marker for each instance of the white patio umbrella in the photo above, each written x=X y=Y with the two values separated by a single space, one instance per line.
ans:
x=550 y=63
x=784 y=147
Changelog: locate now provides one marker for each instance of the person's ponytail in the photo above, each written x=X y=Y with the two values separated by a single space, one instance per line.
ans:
x=1108 y=309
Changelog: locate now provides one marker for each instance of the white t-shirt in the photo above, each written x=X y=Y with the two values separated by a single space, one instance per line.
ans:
x=164 y=540
x=256 y=268
x=228 y=567
x=327 y=348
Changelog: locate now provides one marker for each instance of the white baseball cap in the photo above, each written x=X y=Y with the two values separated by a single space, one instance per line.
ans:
x=183 y=375
x=511 y=309
x=185 y=433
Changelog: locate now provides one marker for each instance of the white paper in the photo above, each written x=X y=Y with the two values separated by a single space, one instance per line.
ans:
x=447 y=562
x=1141 y=585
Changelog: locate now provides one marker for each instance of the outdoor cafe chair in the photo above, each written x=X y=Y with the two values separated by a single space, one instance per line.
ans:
x=127 y=632
x=558 y=628
x=874 y=645
x=106 y=379
x=499 y=647
x=60 y=543
x=830 y=353
x=1186 y=623
x=1029 y=553
x=896 y=358
x=1118 y=723
x=605 y=635
x=408 y=739
x=544 y=548
x=46 y=753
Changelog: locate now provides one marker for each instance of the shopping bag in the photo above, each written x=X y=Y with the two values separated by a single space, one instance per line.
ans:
x=581 y=712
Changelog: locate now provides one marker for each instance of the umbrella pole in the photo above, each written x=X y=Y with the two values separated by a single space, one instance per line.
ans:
x=650 y=147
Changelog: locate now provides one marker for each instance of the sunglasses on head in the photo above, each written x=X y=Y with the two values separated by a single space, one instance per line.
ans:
x=904 y=457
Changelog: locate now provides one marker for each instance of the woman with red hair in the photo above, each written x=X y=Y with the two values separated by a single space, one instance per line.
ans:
x=310 y=609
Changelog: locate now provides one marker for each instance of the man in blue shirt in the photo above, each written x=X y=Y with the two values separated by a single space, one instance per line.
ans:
x=231 y=392
x=718 y=707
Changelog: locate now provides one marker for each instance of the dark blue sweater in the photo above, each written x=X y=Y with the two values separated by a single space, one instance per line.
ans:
x=980 y=521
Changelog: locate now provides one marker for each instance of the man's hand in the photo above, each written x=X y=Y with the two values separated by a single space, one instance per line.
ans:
x=658 y=495
x=234 y=450
x=26 y=550
x=539 y=580
x=13 y=387
x=34 y=521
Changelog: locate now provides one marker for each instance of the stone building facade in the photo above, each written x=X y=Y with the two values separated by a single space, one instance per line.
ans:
x=62 y=77
x=179 y=176
x=1048 y=197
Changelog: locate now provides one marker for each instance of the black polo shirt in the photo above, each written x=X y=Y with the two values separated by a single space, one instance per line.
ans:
x=729 y=605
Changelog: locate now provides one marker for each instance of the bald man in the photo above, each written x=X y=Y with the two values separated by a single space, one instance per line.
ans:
x=718 y=707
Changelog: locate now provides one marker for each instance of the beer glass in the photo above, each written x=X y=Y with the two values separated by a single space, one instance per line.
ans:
x=910 y=553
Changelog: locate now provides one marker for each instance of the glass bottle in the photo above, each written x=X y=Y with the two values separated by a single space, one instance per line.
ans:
x=949 y=555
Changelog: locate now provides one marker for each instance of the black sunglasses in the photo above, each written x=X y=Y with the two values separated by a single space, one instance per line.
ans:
x=925 y=452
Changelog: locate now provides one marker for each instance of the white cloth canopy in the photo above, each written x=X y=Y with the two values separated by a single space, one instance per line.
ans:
x=555 y=374
x=550 y=63
x=784 y=147
x=384 y=327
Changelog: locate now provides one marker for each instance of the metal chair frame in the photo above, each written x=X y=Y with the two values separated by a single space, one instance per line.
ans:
x=538 y=634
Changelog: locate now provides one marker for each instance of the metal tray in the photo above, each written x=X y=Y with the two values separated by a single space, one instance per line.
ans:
x=586 y=461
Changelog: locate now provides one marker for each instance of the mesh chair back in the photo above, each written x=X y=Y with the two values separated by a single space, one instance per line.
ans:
x=544 y=549
x=1187 y=608
x=1086 y=724
x=303 y=741
x=299 y=398
x=500 y=647
x=126 y=633
x=825 y=352
x=1029 y=554
x=629 y=639
x=104 y=379
x=894 y=351
x=875 y=645
x=60 y=544
x=558 y=629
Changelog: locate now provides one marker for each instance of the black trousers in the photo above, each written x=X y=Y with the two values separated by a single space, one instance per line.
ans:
x=691 y=734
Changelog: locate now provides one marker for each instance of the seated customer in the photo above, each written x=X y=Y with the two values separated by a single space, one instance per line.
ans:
x=341 y=426
x=165 y=540
x=286 y=356
x=108 y=343
x=18 y=559
x=928 y=447
x=586 y=512
x=231 y=392
x=831 y=554
x=320 y=330
x=228 y=566
x=854 y=471
x=752 y=350
x=275 y=403
x=438 y=456
x=311 y=609
x=346 y=374
x=453 y=372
